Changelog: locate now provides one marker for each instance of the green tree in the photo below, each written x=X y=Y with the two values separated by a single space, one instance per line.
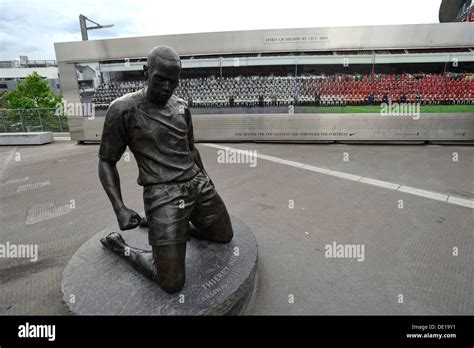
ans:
x=33 y=93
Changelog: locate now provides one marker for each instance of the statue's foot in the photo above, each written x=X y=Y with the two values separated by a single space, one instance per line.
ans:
x=114 y=242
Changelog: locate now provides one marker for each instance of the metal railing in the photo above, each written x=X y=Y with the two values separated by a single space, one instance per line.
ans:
x=32 y=120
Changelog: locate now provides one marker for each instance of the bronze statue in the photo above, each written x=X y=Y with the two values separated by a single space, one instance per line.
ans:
x=157 y=127
x=449 y=9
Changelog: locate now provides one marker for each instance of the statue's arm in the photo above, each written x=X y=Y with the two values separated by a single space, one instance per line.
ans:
x=110 y=180
x=112 y=147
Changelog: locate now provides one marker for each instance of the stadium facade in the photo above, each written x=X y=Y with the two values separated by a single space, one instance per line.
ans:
x=438 y=58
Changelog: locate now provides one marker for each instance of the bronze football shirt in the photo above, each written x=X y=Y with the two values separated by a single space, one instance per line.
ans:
x=158 y=136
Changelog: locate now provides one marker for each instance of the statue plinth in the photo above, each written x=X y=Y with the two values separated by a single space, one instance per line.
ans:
x=221 y=279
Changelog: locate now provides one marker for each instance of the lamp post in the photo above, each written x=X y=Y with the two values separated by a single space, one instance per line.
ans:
x=85 y=28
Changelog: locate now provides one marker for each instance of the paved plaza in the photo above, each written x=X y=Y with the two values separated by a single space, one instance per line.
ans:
x=407 y=210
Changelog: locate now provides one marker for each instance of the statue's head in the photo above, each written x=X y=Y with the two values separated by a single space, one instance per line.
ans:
x=162 y=73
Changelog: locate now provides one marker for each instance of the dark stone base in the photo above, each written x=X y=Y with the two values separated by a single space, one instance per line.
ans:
x=221 y=279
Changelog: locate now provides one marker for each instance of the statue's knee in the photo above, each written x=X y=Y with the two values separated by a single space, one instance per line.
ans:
x=171 y=283
x=222 y=231
x=227 y=236
x=172 y=286
x=169 y=266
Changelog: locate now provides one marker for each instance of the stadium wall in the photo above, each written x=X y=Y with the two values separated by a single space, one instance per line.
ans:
x=218 y=127
x=348 y=127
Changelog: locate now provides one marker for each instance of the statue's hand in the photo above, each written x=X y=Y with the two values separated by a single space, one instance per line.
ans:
x=128 y=219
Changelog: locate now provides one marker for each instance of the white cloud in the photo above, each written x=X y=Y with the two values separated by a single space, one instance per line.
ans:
x=30 y=27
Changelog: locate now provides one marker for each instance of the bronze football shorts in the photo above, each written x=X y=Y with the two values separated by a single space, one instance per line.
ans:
x=170 y=206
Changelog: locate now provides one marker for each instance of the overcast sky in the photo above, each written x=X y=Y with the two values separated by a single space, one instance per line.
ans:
x=30 y=27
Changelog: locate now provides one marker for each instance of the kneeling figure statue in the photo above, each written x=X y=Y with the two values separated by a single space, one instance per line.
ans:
x=180 y=199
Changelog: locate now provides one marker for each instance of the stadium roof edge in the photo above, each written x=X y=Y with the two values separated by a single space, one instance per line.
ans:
x=275 y=40
x=260 y=30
